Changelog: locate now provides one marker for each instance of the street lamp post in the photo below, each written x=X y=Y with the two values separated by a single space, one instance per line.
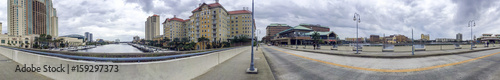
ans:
x=412 y=44
x=252 y=68
x=357 y=20
x=472 y=23
x=296 y=35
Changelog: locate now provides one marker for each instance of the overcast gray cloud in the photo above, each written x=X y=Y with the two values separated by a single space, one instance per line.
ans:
x=123 y=19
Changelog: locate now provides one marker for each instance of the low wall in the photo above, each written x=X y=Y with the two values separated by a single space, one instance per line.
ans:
x=432 y=47
x=448 y=47
x=326 y=47
x=402 y=48
x=372 y=48
x=465 y=46
x=345 y=48
x=480 y=45
x=175 y=69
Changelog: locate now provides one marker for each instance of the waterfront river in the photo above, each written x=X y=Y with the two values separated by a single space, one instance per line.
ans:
x=113 y=48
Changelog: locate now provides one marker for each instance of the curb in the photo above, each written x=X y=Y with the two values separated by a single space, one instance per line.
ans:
x=403 y=56
x=267 y=62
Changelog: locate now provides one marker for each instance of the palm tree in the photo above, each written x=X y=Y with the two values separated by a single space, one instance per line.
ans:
x=315 y=37
x=58 y=42
x=165 y=40
x=203 y=40
x=176 y=43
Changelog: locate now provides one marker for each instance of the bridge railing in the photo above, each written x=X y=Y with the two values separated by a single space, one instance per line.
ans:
x=129 y=59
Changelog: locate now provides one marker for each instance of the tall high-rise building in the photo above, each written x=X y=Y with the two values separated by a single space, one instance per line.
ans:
x=152 y=27
x=32 y=17
x=88 y=37
x=459 y=37
x=91 y=37
x=210 y=21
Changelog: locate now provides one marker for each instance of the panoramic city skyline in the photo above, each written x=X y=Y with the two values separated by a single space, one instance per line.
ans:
x=123 y=19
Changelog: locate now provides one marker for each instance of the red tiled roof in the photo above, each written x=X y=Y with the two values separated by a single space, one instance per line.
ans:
x=177 y=19
x=155 y=15
x=240 y=12
x=165 y=21
x=209 y=5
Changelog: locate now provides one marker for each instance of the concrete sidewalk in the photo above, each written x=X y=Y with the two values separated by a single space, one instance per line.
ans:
x=7 y=67
x=234 y=68
x=391 y=54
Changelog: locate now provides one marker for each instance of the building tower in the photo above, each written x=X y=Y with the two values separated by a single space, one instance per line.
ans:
x=459 y=37
x=31 y=17
x=152 y=27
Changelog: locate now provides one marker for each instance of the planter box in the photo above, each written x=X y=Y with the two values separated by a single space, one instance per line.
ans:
x=372 y=48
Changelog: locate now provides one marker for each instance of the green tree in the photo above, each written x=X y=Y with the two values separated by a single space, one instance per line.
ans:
x=203 y=40
x=315 y=37
x=165 y=40
x=176 y=43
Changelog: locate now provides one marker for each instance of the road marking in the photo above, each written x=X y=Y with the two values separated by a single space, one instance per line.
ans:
x=389 y=70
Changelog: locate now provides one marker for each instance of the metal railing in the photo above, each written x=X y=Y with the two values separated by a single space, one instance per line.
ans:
x=133 y=59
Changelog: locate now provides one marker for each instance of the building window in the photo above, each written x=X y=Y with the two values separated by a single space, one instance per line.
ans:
x=3 y=41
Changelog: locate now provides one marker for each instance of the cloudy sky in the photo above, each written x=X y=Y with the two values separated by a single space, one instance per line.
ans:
x=123 y=19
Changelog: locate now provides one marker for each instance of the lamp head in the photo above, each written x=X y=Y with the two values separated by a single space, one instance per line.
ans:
x=354 y=19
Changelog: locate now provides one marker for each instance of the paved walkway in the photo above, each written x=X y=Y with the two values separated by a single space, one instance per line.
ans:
x=234 y=68
x=393 y=54
x=7 y=67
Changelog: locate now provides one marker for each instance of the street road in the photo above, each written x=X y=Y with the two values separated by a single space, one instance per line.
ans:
x=296 y=65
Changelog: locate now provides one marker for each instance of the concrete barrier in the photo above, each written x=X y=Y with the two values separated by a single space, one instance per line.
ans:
x=402 y=48
x=432 y=47
x=372 y=48
x=467 y=46
x=448 y=47
x=345 y=48
x=480 y=45
x=175 y=69
x=326 y=47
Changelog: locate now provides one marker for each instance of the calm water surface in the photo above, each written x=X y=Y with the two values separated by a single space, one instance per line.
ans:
x=113 y=48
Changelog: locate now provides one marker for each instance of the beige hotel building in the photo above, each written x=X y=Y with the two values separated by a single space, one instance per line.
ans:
x=211 y=21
